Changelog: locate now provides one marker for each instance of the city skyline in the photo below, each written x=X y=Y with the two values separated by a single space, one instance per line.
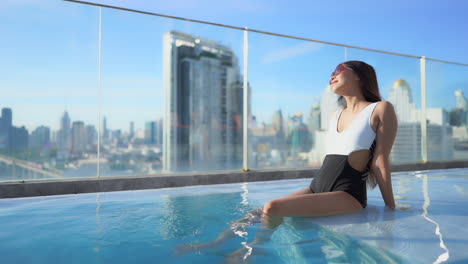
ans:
x=406 y=113
x=285 y=142
x=132 y=68
x=457 y=100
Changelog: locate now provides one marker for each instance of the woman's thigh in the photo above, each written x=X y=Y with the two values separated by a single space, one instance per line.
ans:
x=313 y=204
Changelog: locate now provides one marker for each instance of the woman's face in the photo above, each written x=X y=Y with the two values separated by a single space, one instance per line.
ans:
x=344 y=81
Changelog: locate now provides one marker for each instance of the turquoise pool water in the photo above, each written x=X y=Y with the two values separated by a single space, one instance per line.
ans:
x=151 y=226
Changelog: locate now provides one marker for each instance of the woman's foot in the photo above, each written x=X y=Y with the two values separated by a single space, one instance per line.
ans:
x=243 y=254
x=186 y=248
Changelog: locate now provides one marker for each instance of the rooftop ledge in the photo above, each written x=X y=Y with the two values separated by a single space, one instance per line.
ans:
x=111 y=184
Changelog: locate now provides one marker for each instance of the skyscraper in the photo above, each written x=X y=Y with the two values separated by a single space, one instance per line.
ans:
x=320 y=120
x=461 y=101
x=64 y=134
x=91 y=137
x=401 y=98
x=150 y=132
x=5 y=128
x=299 y=138
x=131 y=132
x=159 y=132
x=40 y=137
x=407 y=145
x=459 y=115
x=78 y=137
x=203 y=114
x=7 y=116
x=327 y=105
x=105 y=132
x=278 y=122
x=19 y=138
x=313 y=122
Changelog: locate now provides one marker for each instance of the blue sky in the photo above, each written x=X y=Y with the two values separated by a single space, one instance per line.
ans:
x=49 y=62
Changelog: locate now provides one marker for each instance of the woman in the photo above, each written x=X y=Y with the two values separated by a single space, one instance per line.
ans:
x=359 y=140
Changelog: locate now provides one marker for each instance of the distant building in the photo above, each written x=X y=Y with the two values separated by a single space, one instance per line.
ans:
x=278 y=123
x=402 y=100
x=105 y=135
x=5 y=128
x=64 y=138
x=299 y=138
x=91 y=137
x=407 y=145
x=19 y=138
x=12 y=138
x=116 y=137
x=159 y=132
x=319 y=121
x=78 y=137
x=459 y=115
x=268 y=146
x=131 y=131
x=461 y=100
x=313 y=122
x=204 y=104
x=150 y=132
x=328 y=104
x=40 y=137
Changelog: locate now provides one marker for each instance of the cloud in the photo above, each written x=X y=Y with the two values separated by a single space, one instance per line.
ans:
x=291 y=52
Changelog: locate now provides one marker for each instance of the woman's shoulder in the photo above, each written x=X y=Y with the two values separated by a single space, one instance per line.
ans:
x=385 y=110
x=383 y=106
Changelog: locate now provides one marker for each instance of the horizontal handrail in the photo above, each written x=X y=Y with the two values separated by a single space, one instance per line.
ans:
x=260 y=31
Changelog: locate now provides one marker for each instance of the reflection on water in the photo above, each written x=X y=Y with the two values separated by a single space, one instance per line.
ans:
x=403 y=187
x=427 y=202
x=311 y=241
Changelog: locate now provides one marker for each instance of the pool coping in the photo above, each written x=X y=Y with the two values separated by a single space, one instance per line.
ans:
x=30 y=188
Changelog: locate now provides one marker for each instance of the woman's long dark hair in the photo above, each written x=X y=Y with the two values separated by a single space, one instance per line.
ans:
x=370 y=89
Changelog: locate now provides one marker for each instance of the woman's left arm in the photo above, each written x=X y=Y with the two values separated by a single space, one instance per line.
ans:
x=380 y=166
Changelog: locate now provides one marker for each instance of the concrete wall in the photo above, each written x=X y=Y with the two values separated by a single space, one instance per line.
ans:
x=109 y=184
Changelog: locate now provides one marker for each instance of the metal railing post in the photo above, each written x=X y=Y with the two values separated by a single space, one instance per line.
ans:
x=99 y=96
x=246 y=100
x=423 y=110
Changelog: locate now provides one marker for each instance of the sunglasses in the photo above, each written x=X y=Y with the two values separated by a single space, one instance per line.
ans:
x=339 y=69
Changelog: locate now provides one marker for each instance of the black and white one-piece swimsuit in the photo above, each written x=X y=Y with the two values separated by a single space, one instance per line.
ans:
x=336 y=174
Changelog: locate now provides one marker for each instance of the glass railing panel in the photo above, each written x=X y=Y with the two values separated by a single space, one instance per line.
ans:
x=291 y=104
x=447 y=111
x=172 y=96
x=49 y=90
x=399 y=83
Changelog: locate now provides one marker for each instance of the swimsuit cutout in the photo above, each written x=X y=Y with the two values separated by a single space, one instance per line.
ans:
x=336 y=174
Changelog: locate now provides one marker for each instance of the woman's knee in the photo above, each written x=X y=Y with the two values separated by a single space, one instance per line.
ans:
x=271 y=208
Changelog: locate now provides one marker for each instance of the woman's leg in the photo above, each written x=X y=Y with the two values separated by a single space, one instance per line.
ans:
x=300 y=192
x=301 y=203
x=252 y=217
x=312 y=204
x=235 y=229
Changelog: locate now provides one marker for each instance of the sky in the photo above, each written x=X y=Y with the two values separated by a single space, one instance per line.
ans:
x=49 y=62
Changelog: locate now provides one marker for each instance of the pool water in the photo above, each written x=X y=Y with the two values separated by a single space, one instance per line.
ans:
x=157 y=225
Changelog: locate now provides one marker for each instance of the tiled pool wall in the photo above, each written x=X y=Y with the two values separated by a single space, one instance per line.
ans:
x=110 y=184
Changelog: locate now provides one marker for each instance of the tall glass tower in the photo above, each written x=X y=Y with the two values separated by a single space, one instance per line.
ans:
x=204 y=103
